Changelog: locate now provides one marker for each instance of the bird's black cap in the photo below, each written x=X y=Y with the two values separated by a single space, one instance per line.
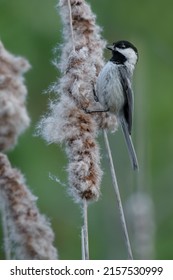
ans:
x=122 y=45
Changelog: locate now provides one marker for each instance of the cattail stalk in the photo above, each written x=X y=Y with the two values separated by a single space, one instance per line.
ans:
x=85 y=240
x=71 y=25
x=118 y=197
x=82 y=243
x=84 y=229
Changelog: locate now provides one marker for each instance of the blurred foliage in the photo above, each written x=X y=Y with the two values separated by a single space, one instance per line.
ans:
x=32 y=29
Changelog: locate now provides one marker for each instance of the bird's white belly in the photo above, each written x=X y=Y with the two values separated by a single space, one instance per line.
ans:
x=109 y=88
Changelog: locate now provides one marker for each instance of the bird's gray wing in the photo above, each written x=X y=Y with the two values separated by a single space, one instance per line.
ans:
x=128 y=97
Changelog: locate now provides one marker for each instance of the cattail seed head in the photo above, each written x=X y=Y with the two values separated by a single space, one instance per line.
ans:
x=140 y=211
x=80 y=63
x=29 y=232
x=13 y=115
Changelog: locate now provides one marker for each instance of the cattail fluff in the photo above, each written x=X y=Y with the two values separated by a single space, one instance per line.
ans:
x=28 y=234
x=80 y=63
x=13 y=115
x=140 y=211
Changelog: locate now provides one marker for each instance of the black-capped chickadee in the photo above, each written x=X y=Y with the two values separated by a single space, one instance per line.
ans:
x=114 y=89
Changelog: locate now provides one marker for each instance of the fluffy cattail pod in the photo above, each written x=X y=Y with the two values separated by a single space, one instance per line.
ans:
x=28 y=234
x=13 y=115
x=140 y=211
x=81 y=61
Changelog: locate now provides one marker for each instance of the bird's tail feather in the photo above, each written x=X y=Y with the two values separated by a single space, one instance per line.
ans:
x=130 y=147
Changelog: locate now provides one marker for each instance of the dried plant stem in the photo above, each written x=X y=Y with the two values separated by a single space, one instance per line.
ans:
x=82 y=243
x=118 y=197
x=84 y=232
x=71 y=25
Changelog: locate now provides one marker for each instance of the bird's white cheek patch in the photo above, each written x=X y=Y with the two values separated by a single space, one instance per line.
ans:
x=129 y=54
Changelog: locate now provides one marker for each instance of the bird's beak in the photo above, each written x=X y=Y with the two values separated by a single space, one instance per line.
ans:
x=110 y=47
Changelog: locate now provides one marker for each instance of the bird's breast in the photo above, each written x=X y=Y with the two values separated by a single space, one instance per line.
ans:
x=109 y=88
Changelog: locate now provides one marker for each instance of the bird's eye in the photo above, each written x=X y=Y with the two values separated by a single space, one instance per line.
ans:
x=123 y=46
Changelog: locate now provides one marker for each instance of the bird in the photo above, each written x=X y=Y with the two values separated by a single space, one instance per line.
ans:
x=114 y=89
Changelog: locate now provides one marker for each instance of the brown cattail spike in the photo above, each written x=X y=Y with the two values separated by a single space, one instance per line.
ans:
x=13 y=115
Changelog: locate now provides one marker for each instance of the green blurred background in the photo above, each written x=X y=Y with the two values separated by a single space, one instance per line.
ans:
x=32 y=29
